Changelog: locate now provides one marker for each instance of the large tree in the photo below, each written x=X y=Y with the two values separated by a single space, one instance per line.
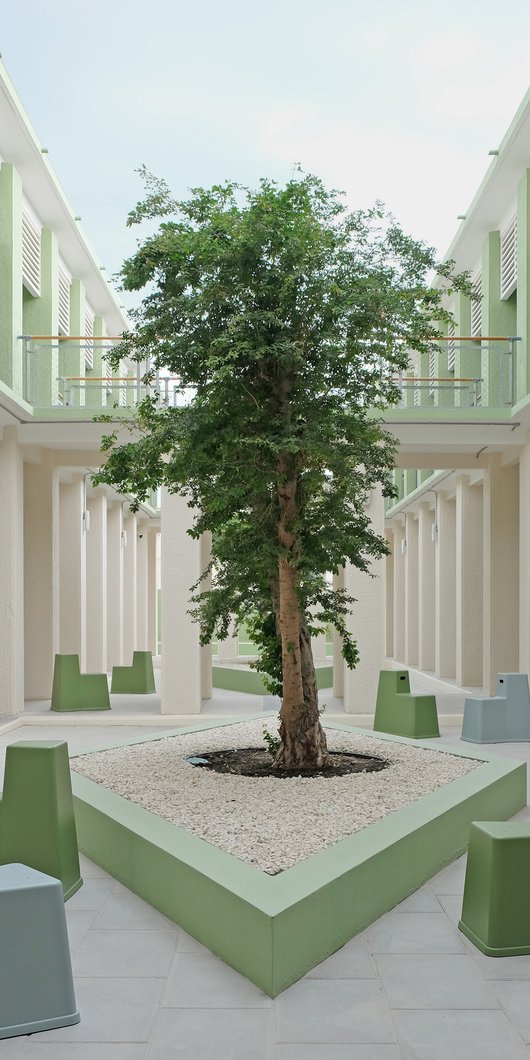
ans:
x=285 y=319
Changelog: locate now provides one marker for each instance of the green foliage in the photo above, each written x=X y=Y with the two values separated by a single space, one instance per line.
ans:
x=286 y=319
x=272 y=743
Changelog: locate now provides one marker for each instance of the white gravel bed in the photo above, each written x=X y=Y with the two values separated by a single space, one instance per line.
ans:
x=270 y=822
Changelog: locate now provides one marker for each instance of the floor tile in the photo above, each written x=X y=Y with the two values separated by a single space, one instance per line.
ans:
x=126 y=910
x=482 y=1035
x=514 y=996
x=338 y=1052
x=200 y=980
x=414 y=933
x=422 y=901
x=333 y=1010
x=79 y=921
x=136 y=954
x=452 y=905
x=92 y=895
x=187 y=944
x=89 y=870
x=33 y=1050
x=440 y=981
x=451 y=879
x=112 y=1010
x=352 y=961
x=226 y=1034
x=500 y=967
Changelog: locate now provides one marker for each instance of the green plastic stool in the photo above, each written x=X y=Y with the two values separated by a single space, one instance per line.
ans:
x=73 y=690
x=496 y=906
x=137 y=678
x=399 y=712
x=37 y=824
x=36 y=985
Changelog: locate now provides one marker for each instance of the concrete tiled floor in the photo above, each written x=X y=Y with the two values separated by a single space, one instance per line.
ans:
x=410 y=987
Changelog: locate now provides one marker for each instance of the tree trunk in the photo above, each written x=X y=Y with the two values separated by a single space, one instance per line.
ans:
x=303 y=739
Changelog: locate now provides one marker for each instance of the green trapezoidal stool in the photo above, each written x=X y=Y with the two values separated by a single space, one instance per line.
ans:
x=136 y=678
x=37 y=824
x=399 y=712
x=496 y=909
x=73 y=690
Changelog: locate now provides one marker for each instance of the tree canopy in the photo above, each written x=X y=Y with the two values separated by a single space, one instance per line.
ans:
x=286 y=319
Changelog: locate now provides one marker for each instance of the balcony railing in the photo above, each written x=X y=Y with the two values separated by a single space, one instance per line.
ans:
x=72 y=371
x=464 y=372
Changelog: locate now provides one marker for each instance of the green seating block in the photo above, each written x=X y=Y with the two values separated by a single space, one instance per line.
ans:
x=496 y=909
x=399 y=712
x=137 y=678
x=73 y=690
x=37 y=824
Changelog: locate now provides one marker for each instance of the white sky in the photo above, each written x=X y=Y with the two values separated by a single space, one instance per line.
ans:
x=398 y=100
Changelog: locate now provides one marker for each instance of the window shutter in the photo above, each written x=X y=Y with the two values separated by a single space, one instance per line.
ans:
x=509 y=258
x=89 y=346
x=451 y=350
x=30 y=255
x=64 y=303
x=476 y=308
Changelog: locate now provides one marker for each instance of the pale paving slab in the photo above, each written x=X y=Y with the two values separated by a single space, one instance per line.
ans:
x=200 y=980
x=338 y=1052
x=427 y=981
x=26 y=1048
x=478 y=1035
x=515 y=999
x=112 y=1010
x=414 y=933
x=333 y=1010
x=118 y=953
x=217 y=1034
x=353 y=961
x=422 y=901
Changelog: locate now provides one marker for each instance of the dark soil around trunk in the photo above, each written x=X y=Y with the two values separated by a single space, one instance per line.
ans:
x=257 y=762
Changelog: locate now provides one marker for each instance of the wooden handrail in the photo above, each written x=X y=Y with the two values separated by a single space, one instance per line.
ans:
x=77 y=338
x=472 y=338
x=439 y=379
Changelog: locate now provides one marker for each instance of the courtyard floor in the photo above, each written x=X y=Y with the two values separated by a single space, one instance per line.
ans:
x=410 y=987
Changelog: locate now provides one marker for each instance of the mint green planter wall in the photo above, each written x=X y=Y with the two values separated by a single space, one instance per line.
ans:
x=273 y=929
x=239 y=679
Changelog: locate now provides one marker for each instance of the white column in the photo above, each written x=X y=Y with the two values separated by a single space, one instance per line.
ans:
x=72 y=566
x=115 y=552
x=469 y=618
x=180 y=569
x=338 y=661
x=11 y=574
x=206 y=649
x=366 y=623
x=399 y=593
x=96 y=586
x=445 y=628
x=142 y=574
x=41 y=575
x=524 y=558
x=389 y=628
x=501 y=571
x=152 y=591
x=411 y=590
x=426 y=587
x=130 y=585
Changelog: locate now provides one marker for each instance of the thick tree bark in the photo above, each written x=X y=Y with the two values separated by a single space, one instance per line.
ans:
x=303 y=738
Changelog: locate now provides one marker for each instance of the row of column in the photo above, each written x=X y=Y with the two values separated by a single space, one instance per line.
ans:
x=454 y=583
x=78 y=574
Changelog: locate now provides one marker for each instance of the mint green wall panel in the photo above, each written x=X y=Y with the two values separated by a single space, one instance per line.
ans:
x=522 y=348
x=41 y=317
x=498 y=318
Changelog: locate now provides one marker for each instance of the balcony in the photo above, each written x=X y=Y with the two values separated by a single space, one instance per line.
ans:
x=72 y=372
x=462 y=372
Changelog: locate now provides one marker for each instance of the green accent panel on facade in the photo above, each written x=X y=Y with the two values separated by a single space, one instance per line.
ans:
x=96 y=395
x=138 y=678
x=72 y=690
x=498 y=318
x=495 y=909
x=11 y=271
x=41 y=317
x=72 y=354
x=273 y=929
x=37 y=824
x=468 y=354
x=241 y=679
x=522 y=349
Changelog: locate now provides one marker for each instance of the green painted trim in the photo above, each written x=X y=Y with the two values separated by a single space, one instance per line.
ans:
x=240 y=679
x=273 y=929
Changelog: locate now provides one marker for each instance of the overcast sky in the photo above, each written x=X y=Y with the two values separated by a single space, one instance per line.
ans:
x=398 y=100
